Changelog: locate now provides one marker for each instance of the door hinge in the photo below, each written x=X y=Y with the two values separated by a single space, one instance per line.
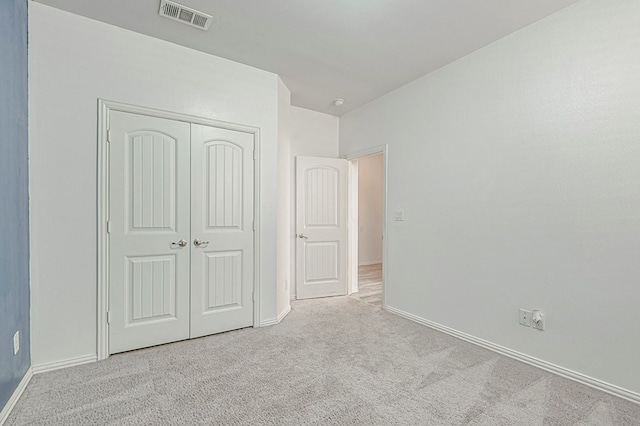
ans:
x=253 y=225
x=253 y=296
x=108 y=135
x=254 y=155
x=109 y=317
x=108 y=227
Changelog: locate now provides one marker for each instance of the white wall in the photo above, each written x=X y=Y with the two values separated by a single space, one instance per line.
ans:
x=284 y=198
x=73 y=62
x=518 y=170
x=313 y=134
x=370 y=214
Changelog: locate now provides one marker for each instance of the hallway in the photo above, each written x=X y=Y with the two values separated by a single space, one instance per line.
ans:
x=370 y=284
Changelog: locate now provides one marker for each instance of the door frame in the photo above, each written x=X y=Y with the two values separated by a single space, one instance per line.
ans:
x=105 y=107
x=352 y=214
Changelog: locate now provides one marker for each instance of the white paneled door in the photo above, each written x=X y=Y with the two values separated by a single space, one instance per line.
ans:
x=148 y=217
x=221 y=230
x=180 y=230
x=321 y=227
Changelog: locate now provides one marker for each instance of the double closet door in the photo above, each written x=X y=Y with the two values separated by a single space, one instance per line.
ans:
x=181 y=244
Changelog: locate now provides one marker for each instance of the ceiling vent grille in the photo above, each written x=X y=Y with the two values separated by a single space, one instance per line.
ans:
x=184 y=14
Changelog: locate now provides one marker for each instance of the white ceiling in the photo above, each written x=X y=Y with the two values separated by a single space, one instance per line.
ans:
x=327 y=49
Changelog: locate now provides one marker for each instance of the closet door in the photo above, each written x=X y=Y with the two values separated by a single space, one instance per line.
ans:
x=222 y=188
x=149 y=214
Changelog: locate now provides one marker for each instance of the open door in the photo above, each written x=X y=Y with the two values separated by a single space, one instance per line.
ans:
x=321 y=227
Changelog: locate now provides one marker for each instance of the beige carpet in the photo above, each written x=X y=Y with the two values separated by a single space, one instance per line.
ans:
x=333 y=361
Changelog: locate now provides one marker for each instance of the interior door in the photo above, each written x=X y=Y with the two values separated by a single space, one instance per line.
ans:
x=148 y=231
x=221 y=230
x=321 y=227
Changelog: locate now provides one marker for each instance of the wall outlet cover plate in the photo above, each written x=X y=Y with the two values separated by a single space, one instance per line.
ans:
x=525 y=317
x=16 y=342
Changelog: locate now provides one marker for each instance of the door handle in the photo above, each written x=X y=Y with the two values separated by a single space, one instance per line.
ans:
x=303 y=236
x=181 y=243
x=199 y=243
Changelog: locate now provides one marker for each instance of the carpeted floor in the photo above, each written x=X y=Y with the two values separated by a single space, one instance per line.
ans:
x=335 y=361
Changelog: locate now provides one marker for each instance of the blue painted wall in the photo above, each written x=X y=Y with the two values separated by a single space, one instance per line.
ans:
x=14 y=196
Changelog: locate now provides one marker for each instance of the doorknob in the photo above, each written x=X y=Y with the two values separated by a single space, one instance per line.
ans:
x=181 y=243
x=199 y=243
x=303 y=236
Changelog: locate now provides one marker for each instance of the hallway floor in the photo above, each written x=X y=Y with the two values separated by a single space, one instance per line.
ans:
x=370 y=284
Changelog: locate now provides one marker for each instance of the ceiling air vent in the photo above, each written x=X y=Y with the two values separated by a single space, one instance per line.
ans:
x=184 y=14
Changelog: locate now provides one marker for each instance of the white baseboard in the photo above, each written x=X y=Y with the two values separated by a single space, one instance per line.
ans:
x=4 y=414
x=42 y=368
x=284 y=313
x=71 y=362
x=274 y=321
x=372 y=262
x=547 y=366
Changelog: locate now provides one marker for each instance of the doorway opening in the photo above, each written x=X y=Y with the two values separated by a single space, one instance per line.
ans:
x=367 y=225
x=330 y=232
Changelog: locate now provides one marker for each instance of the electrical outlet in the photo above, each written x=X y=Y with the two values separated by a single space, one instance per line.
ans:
x=537 y=320
x=399 y=216
x=525 y=317
x=16 y=342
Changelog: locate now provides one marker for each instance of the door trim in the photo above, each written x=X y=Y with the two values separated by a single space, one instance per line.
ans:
x=105 y=107
x=352 y=233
